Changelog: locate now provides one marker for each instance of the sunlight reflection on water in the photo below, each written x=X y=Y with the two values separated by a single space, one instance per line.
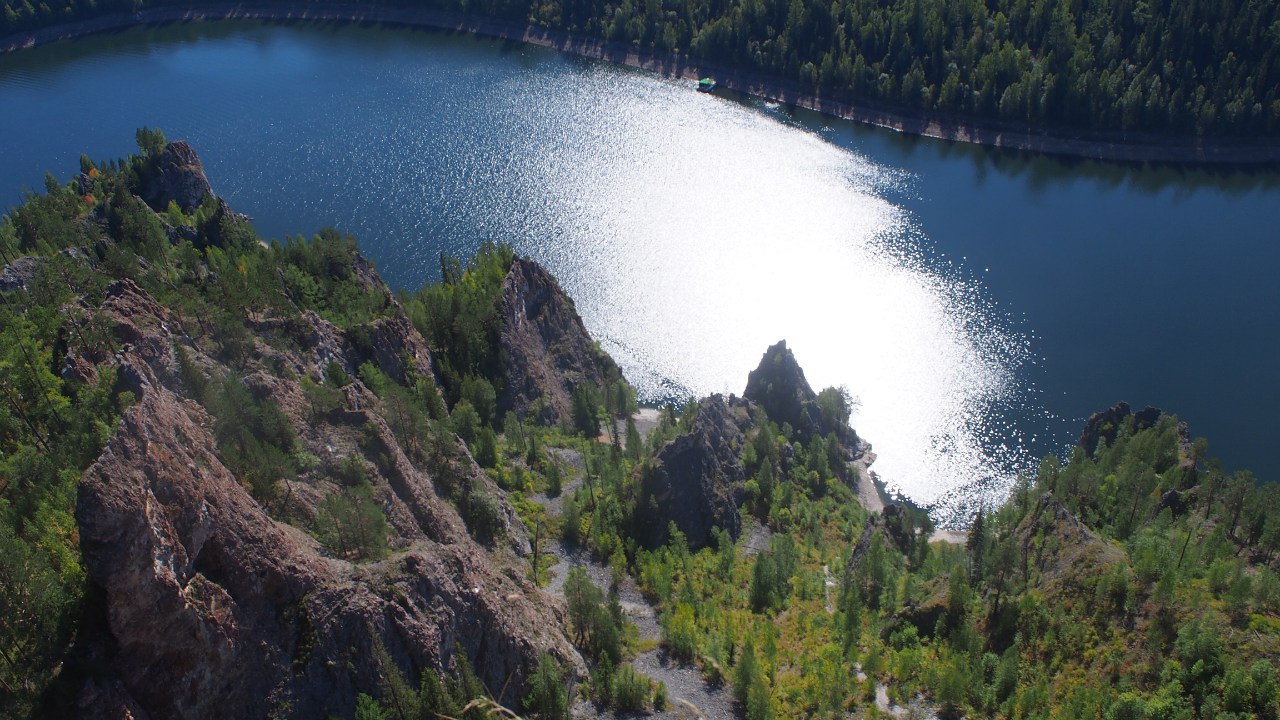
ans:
x=692 y=233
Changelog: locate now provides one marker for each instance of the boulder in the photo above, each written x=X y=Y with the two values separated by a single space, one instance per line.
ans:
x=18 y=274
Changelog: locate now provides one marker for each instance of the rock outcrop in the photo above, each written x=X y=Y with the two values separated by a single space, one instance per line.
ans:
x=217 y=607
x=175 y=174
x=1059 y=553
x=546 y=351
x=697 y=480
x=18 y=274
x=217 y=610
x=1104 y=427
x=779 y=386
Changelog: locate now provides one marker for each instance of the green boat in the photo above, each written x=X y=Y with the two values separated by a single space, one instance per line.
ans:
x=706 y=84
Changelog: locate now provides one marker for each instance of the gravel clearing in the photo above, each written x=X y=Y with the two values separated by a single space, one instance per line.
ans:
x=689 y=697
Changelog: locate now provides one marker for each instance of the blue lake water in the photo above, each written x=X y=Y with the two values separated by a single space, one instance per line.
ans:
x=978 y=303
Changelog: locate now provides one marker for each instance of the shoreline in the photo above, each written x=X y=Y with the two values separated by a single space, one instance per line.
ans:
x=1108 y=147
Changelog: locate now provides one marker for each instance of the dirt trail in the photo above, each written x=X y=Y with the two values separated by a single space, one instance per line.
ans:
x=689 y=697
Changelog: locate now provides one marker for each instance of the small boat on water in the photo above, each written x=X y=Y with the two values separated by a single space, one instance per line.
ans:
x=706 y=84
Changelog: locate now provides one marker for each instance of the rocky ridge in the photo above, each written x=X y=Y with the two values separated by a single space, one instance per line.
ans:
x=779 y=386
x=546 y=351
x=1060 y=554
x=217 y=603
x=697 y=480
x=1104 y=426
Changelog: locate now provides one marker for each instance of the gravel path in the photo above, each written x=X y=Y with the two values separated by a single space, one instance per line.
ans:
x=689 y=697
x=757 y=538
x=646 y=420
x=574 y=468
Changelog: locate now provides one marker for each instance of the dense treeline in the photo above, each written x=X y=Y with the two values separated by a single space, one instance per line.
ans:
x=1136 y=582
x=1209 y=67
x=1184 y=67
x=1169 y=607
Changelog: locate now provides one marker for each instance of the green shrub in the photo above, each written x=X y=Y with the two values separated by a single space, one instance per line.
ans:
x=351 y=524
x=630 y=689
x=483 y=517
x=547 y=697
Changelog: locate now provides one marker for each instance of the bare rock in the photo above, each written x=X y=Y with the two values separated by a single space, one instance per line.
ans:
x=697 y=480
x=215 y=608
x=546 y=350
x=18 y=274
x=218 y=610
x=175 y=174
x=779 y=386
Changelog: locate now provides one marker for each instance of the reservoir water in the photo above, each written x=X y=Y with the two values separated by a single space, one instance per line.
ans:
x=979 y=304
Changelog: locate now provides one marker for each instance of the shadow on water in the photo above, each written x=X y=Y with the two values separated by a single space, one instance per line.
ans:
x=1041 y=172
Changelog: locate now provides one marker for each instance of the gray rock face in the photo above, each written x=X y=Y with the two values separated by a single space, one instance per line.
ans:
x=779 y=386
x=697 y=480
x=19 y=274
x=176 y=175
x=546 y=351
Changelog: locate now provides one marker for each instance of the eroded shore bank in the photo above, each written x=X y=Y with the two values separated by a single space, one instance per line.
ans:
x=1115 y=147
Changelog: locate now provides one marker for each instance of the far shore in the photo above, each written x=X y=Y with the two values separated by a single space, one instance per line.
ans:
x=1114 y=147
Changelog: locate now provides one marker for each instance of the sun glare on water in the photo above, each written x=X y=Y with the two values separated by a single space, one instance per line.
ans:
x=693 y=232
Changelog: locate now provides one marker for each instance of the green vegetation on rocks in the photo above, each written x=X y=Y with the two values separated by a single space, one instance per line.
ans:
x=1132 y=579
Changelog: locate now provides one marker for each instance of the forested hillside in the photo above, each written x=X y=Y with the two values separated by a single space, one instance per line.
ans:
x=1208 y=67
x=244 y=479
x=229 y=481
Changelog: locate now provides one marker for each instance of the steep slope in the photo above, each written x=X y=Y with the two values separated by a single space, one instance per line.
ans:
x=217 y=608
x=280 y=520
x=546 y=351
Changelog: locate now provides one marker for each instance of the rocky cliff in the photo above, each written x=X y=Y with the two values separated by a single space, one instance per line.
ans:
x=779 y=386
x=546 y=350
x=175 y=174
x=218 y=602
x=696 y=481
